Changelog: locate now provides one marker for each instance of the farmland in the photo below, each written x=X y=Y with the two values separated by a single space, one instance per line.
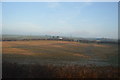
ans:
x=64 y=54
x=59 y=52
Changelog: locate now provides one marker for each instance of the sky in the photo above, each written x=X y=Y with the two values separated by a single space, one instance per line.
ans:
x=0 y=19
x=76 y=19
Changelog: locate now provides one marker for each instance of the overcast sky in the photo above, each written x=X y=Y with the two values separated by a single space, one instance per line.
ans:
x=79 y=19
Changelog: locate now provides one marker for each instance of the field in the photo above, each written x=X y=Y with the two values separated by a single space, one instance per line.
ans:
x=61 y=53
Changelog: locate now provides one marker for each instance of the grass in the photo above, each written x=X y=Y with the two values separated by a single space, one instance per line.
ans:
x=58 y=52
x=59 y=59
x=14 y=70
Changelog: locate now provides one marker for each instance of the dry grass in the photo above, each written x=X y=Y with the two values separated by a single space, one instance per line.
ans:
x=51 y=71
x=11 y=47
x=48 y=43
x=57 y=50
x=81 y=55
x=99 y=45
x=16 y=51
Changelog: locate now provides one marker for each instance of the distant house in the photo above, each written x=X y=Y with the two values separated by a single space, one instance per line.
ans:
x=60 y=38
x=98 y=40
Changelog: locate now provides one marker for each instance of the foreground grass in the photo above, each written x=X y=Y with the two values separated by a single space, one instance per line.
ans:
x=14 y=70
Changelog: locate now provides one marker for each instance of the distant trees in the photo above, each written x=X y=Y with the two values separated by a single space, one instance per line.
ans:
x=104 y=41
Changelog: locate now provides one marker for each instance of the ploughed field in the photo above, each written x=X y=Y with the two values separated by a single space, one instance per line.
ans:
x=59 y=53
